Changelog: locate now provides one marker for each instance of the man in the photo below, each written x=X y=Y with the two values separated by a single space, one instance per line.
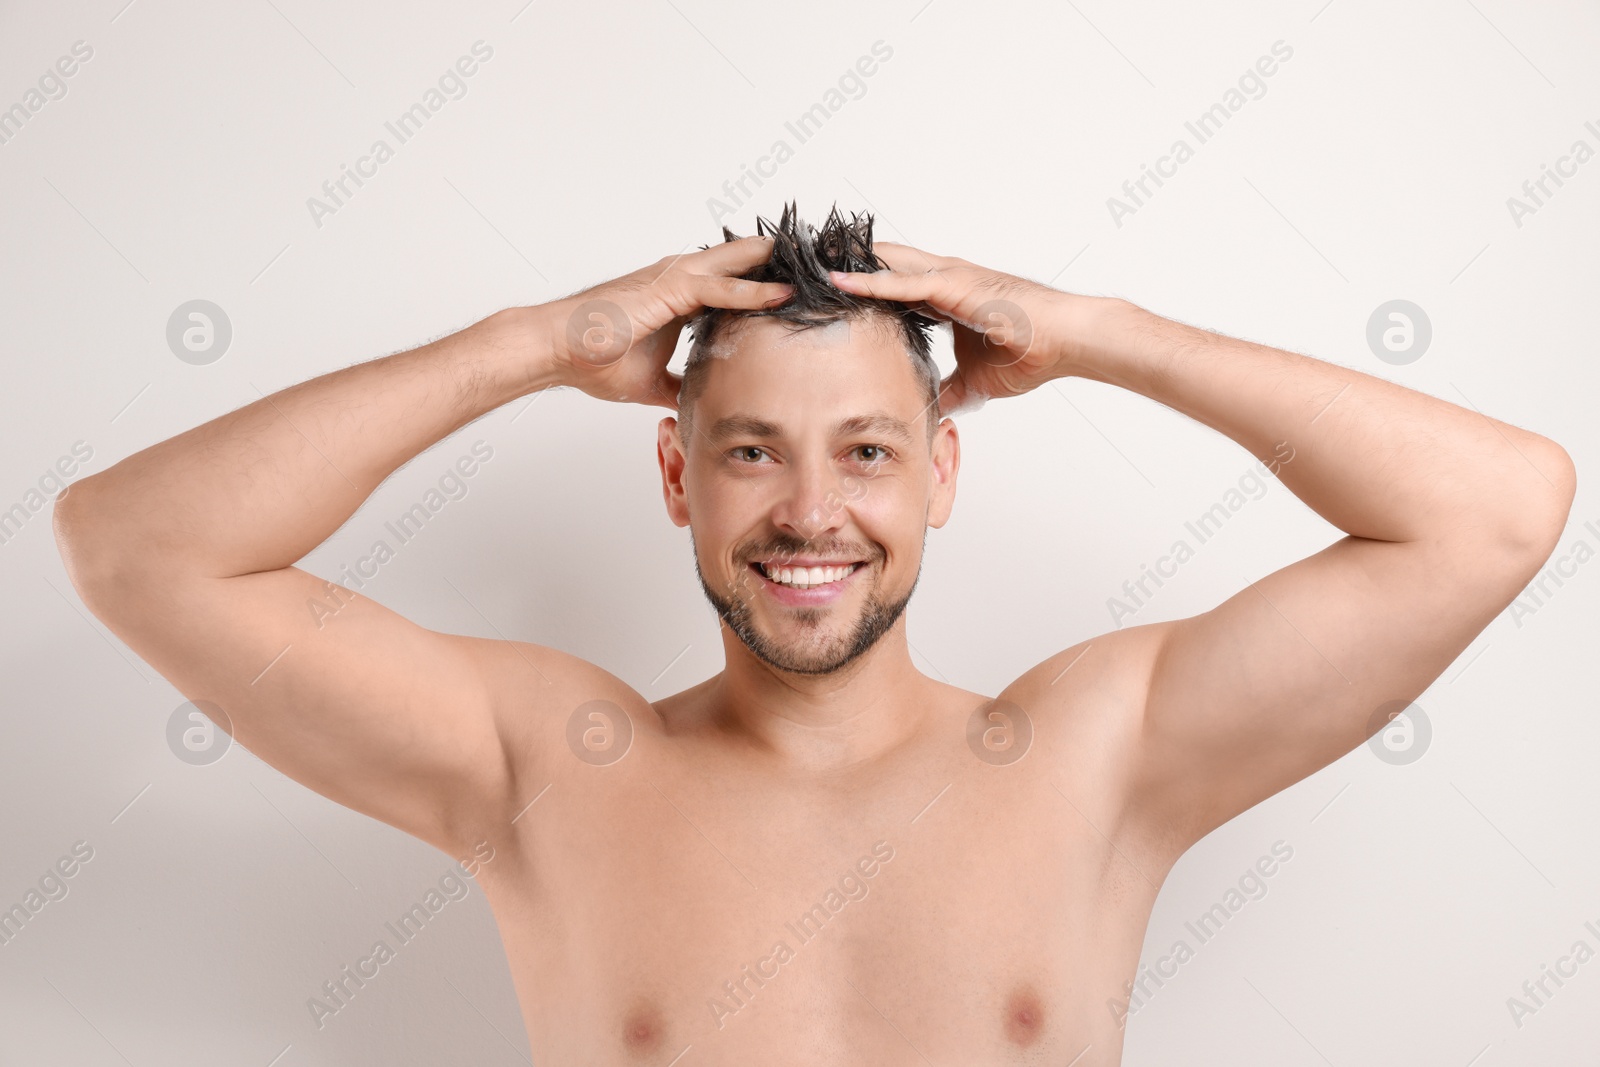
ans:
x=819 y=855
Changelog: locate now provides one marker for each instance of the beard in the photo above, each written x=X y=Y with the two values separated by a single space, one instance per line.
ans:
x=827 y=652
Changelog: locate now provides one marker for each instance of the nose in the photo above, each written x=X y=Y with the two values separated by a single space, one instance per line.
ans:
x=812 y=504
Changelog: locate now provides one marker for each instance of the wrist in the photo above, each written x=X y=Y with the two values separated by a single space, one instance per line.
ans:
x=1091 y=326
x=523 y=336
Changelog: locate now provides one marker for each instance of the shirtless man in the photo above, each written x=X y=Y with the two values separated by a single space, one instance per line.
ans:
x=819 y=855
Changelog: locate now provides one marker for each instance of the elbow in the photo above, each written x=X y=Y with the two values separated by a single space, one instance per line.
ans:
x=1537 y=520
x=82 y=533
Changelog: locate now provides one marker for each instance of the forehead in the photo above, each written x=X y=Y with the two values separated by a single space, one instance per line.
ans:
x=808 y=377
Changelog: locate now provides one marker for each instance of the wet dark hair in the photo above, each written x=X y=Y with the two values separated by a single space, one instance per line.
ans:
x=802 y=256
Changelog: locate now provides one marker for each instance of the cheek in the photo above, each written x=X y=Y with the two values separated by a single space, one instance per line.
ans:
x=724 y=512
x=892 y=512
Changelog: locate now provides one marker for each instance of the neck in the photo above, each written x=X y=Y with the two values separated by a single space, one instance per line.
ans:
x=864 y=709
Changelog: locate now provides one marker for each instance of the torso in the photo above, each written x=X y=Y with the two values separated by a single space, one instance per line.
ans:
x=695 y=902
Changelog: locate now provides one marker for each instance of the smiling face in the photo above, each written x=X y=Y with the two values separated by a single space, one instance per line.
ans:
x=808 y=485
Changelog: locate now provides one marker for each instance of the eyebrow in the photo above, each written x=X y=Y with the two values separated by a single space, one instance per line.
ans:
x=877 y=422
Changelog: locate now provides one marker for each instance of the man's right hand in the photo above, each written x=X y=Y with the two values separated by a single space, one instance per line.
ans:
x=614 y=341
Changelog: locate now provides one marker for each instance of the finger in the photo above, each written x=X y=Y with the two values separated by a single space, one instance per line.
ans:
x=730 y=257
x=932 y=288
x=719 y=292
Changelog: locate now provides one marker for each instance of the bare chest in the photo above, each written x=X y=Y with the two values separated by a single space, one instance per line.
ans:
x=938 y=910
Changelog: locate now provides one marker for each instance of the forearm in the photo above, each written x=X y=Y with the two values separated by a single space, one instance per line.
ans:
x=259 y=488
x=1374 y=458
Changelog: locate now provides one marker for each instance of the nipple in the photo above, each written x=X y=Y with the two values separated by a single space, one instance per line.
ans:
x=1024 y=1018
x=642 y=1030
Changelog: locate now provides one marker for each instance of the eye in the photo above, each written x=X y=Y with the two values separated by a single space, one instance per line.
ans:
x=748 y=453
x=871 y=454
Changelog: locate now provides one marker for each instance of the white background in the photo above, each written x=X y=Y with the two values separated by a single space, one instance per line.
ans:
x=1376 y=166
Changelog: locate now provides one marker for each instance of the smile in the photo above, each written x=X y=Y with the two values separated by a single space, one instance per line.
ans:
x=807 y=577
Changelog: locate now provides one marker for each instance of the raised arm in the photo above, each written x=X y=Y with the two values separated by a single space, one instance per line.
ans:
x=186 y=550
x=1448 y=514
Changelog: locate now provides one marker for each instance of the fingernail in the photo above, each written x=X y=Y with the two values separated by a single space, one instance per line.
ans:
x=838 y=277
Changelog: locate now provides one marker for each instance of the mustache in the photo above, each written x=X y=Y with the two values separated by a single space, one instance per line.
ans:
x=790 y=548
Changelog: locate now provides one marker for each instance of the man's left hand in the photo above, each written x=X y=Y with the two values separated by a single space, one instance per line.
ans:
x=1011 y=335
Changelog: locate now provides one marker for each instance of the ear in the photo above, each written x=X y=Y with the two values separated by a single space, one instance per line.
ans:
x=946 y=456
x=670 y=455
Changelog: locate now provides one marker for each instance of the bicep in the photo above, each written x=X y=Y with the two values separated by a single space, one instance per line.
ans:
x=336 y=691
x=1297 y=669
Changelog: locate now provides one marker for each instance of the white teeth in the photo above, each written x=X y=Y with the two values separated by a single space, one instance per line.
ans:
x=806 y=577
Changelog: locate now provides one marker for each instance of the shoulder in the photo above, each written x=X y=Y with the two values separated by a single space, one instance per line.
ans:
x=1085 y=709
x=1109 y=672
x=540 y=681
x=538 y=693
